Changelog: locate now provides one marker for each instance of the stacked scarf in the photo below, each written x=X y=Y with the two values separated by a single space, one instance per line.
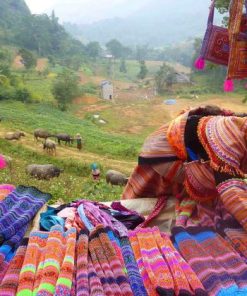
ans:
x=220 y=269
x=107 y=264
x=16 y=212
x=48 y=264
x=10 y=281
x=163 y=270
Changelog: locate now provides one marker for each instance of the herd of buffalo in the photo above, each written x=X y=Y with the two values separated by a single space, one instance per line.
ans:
x=48 y=171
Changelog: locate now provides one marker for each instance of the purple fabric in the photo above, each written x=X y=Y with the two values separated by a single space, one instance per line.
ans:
x=18 y=209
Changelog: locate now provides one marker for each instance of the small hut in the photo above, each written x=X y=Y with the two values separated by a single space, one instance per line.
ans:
x=106 y=90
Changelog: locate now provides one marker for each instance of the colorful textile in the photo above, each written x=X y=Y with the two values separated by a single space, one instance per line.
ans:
x=233 y=194
x=96 y=288
x=237 y=68
x=220 y=269
x=49 y=263
x=82 y=283
x=175 y=135
x=135 y=279
x=18 y=209
x=199 y=181
x=9 y=283
x=232 y=231
x=224 y=139
x=107 y=264
x=163 y=270
x=5 y=189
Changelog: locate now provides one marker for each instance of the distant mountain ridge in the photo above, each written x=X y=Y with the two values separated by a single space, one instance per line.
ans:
x=158 y=23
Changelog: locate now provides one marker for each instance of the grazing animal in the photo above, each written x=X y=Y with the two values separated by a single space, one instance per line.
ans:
x=43 y=171
x=116 y=178
x=64 y=138
x=14 y=136
x=50 y=146
x=41 y=133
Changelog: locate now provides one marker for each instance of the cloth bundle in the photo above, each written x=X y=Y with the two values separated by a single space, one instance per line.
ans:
x=48 y=264
x=163 y=270
x=221 y=270
x=16 y=212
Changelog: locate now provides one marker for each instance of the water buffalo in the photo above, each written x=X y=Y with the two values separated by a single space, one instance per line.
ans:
x=64 y=138
x=41 y=133
x=43 y=172
x=116 y=178
x=14 y=135
x=50 y=146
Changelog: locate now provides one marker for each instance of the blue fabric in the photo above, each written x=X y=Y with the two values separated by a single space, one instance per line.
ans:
x=192 y=154
x=83 y=218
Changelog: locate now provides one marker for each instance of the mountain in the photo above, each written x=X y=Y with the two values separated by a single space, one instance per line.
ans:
x=12 y=13
x=39 y=33
x=158 y=23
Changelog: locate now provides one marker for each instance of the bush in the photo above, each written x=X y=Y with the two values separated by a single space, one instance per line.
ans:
x=23 y=95
x=89 y=88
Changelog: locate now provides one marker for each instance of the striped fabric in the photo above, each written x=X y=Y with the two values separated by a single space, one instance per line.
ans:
x=9 y=283
x=31 y=264
x=224 y=139
x=157 y=145
x=49 y=263
x=18 y=209
x=65 y=277
x=163 y=270
x=232 y=231
x=199 y=181
x=134 y=276
x=96 y=288
x=195 y=284
x=107 y=265
x=82 y=284
x=217 y=265
x=233 y=194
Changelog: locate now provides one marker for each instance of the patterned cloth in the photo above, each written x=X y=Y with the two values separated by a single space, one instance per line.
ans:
x=163 y=270
x=224 y=139
x=220 y=269
x=107 y=265
x=48 y=264
x=233 y=194
x=9 y=283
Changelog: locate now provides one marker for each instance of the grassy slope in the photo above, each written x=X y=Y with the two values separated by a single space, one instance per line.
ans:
x=29 y=117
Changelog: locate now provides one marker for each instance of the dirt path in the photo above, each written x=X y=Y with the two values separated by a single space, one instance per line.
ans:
x=65 y=152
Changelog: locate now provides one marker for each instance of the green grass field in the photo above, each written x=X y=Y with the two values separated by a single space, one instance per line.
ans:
x=28 y=117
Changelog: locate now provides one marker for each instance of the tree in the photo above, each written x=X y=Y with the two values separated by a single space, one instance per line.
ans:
x=141 y=52
x=164 y=78
x=28 y=58
x=222 y=5
x=123 y=68
x=143 y=70
x=93 y=49
x=65 y=89
x=115 y=48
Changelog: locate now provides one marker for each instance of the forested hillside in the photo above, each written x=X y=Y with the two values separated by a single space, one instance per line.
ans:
x=40 y=33
x=158 y=23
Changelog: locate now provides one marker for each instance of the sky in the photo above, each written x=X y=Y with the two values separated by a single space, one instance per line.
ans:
x=86 y=11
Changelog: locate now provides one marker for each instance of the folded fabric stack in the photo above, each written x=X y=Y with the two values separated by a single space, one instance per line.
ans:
x=163 y=270
x=219 y=267
x=16 y=212
x=88 y=249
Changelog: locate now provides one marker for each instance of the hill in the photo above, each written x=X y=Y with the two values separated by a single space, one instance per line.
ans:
x=156 y=23
x=39 y=33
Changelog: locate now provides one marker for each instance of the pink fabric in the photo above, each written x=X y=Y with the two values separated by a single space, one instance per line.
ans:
x=3 y=162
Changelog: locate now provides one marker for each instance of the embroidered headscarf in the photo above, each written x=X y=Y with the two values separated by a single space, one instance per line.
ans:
x=224 y=139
